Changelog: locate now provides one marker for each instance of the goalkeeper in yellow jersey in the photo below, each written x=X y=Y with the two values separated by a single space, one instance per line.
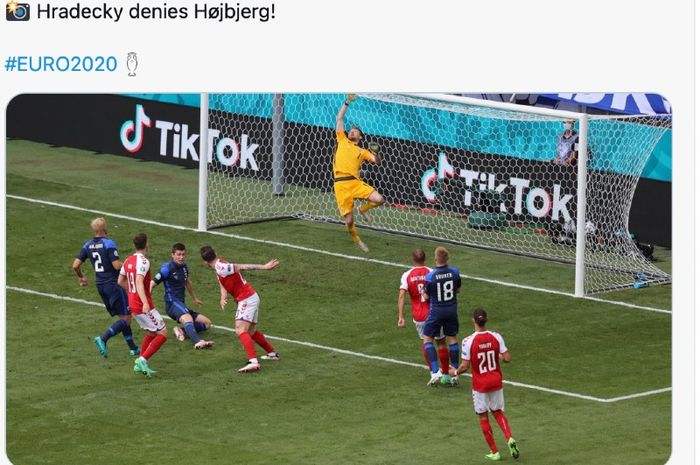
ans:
x=346 y=174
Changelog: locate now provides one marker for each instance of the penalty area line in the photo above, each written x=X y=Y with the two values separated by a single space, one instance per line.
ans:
x=366 y=356
x=326 y=252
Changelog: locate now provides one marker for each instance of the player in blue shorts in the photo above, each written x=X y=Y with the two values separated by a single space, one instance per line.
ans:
x=104 y=257
x=175 y=276
x=441 y=287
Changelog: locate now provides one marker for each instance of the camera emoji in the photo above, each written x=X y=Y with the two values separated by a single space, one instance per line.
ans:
x=17 y=11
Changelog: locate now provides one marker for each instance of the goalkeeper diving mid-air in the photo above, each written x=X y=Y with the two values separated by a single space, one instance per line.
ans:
x=346 y=173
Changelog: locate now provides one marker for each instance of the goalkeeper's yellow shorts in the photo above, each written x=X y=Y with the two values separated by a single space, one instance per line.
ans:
x=347 y=189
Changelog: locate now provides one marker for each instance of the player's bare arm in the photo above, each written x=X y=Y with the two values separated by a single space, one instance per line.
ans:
x=190 y=290
x=463 y=367
x=267 y=266
x=122 y=282
x=141 y=291
x=401 y=303
x=82 y=279
x=339 y=126
x=424 y=295
x=117 y=264
x=505 y=356
x=223 y=300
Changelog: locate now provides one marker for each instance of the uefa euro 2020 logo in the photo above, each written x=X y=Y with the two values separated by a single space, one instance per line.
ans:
x=17 y=11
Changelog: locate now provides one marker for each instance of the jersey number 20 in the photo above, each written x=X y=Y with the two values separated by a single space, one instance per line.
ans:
x=487 y=361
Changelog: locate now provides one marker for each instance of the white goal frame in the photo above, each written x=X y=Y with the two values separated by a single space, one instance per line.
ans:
x=581 y=180
x=582 y=119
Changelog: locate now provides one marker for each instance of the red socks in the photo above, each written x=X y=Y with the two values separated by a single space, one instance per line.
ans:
x=488 y=433
x=153 y=346
x=146 y=342
x=260 y=340
x=248 y=345
x=502 y=422
x=444 y=356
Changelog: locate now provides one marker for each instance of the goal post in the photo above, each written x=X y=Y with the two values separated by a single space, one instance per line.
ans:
x=454 y=169
x=581 y=180
x=203 y=161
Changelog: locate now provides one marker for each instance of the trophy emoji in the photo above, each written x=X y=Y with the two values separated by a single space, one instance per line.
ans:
x=131 y=63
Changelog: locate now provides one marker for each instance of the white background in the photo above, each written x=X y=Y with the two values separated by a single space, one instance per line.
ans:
x=433 y=46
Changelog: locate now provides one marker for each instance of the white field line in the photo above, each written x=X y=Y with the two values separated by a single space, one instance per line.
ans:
x=325 y=252
x=370 y=357
x=641 y=394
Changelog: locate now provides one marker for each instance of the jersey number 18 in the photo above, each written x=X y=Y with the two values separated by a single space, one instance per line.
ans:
x=445 y=291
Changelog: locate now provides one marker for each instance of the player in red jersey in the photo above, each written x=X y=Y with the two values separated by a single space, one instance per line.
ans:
x=413 y=283
x=231 y=282
x=483 y=351
x=135 y=278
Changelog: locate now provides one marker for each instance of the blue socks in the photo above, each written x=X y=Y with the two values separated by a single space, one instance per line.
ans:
x=120 y=326
x=126 y=332
x=432 y=356
x=117 y=327
x=191 y=332
x=200 y=327
x=454 y=355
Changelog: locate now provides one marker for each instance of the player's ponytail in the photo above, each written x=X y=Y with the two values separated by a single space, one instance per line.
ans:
x=480 y=316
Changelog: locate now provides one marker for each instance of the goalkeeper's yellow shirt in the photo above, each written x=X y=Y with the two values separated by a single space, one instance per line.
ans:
x=348 y=157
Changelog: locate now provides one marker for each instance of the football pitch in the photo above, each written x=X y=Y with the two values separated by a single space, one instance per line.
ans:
x=589 y=383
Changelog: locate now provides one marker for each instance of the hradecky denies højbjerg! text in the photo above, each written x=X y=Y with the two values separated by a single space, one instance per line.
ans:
x=218 y=12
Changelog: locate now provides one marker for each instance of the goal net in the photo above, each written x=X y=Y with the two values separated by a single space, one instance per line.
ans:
x=453 y=170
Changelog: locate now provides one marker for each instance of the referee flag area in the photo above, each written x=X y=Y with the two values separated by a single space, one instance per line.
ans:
x=590 y=380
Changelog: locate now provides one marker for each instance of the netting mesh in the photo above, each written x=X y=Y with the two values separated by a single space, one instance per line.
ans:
x=619 y=149
x=495 y=179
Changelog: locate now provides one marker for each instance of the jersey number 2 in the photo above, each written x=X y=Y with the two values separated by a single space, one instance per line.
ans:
x=98 y=262
x=487 y=361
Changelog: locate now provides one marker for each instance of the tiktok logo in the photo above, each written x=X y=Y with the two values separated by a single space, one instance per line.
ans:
x=136 y=128
x=444 y=170
x=517 y=195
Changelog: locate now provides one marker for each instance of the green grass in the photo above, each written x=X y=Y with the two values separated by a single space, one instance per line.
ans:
x=65 y=404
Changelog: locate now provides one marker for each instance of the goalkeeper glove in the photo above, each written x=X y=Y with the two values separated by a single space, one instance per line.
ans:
x=374 y=148
x=349 y=98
